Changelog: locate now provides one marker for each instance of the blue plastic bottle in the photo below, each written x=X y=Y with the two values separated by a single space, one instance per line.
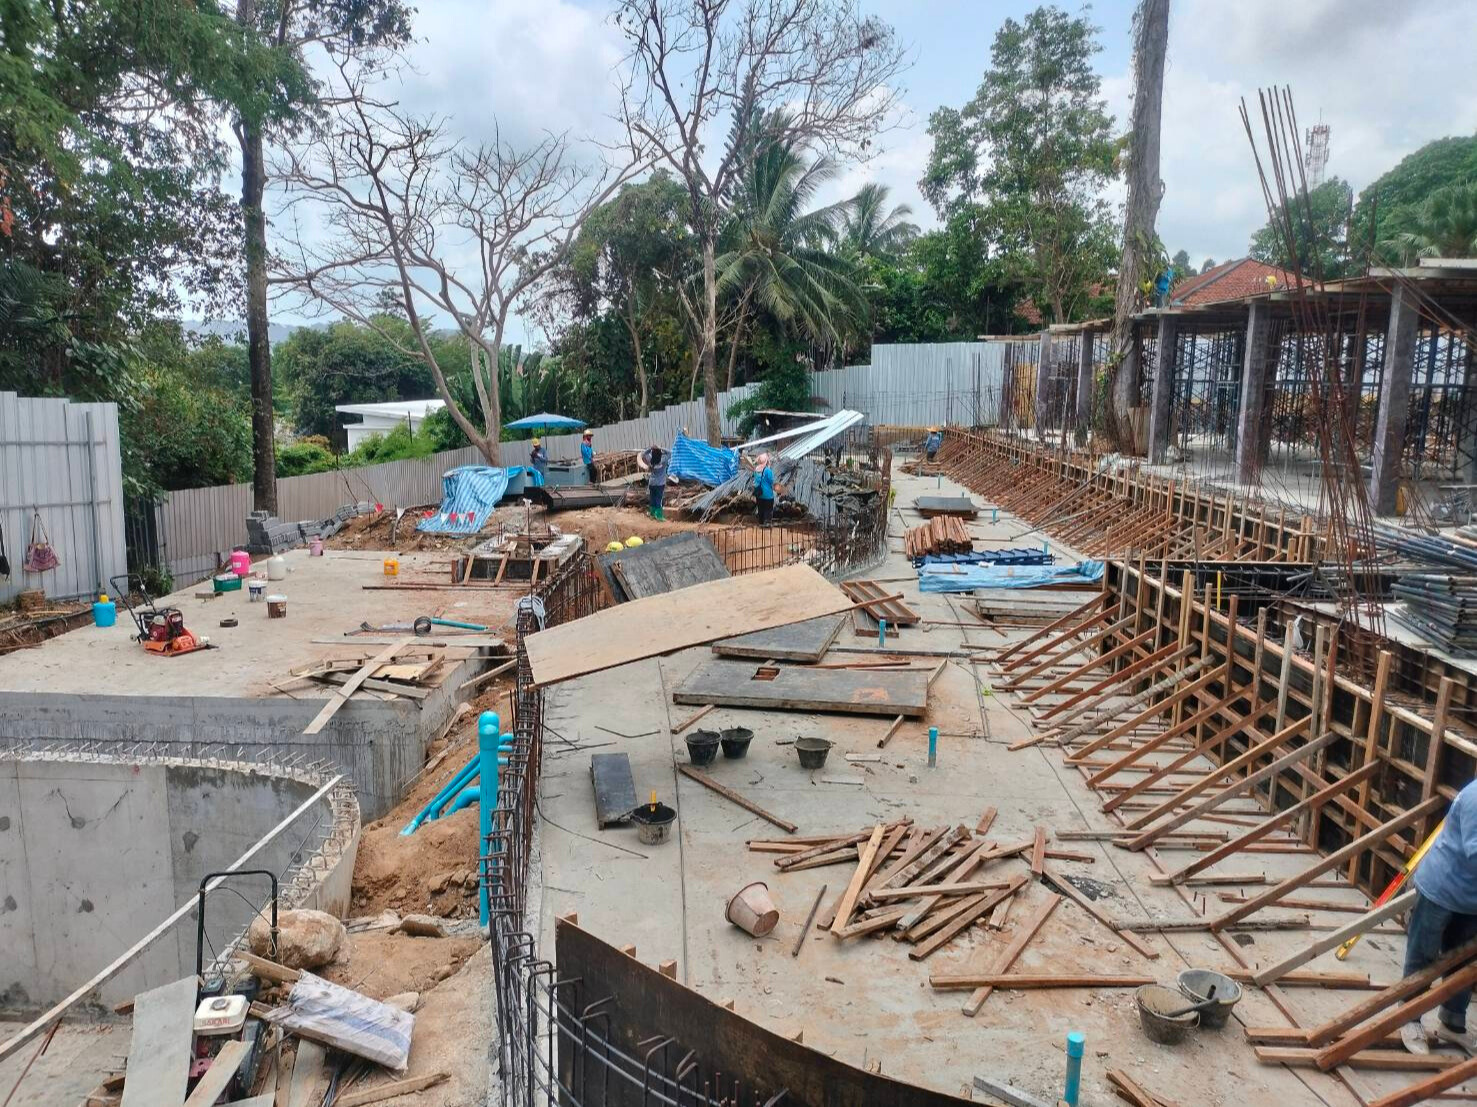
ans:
x=104 y=612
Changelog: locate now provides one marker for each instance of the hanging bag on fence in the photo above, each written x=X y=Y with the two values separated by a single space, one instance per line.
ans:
x=40 y=556
x=4 y=561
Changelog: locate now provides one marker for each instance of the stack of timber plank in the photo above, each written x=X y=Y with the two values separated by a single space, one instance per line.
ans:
x=943 y=534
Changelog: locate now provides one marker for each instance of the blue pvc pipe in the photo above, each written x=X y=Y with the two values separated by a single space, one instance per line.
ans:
x=489 y=731
x=454 y=785
x=475 y=778
x=933 y=746
x=882 y=632
x=1076 y=1047
x=465 y=797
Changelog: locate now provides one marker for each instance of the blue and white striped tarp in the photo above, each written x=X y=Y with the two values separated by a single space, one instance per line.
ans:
x=468 y=495
x=696 y=460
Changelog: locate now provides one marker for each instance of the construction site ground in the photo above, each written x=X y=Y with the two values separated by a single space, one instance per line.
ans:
x=864 y=1000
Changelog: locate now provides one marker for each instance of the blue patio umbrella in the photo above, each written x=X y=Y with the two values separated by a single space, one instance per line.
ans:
x=545 y=422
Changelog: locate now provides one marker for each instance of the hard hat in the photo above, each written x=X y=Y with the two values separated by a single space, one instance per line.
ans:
x=589 y=434
x=933 y=430
x=762 y=459
x=612 y=547
x=535 y=440
x=634 y=540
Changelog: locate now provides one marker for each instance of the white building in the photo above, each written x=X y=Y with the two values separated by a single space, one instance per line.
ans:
x=383 y=418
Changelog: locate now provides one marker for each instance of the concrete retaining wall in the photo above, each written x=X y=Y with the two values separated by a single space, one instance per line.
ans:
x=96 y=852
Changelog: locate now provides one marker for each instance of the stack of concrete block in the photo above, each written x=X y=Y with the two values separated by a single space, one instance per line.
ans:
x=267 y=534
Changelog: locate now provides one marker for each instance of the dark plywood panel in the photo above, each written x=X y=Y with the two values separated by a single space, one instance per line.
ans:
x=807 y=641
x=649 y=1007
x=615 y=791
x=661 y=565
x=730 y=683
x=929 y=506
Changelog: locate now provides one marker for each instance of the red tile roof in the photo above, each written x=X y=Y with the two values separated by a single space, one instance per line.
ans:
x=1231 y=280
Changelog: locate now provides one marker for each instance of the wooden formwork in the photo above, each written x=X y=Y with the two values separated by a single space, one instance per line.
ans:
x=1107 y=512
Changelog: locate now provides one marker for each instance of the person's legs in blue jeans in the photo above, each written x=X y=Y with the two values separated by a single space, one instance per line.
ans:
x=1459 y=930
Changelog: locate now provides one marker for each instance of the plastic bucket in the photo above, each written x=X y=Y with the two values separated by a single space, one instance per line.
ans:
x=752 y=911
x=1196 y=985
x=653 y=823
x=256 y=589
x=812 y=752
x=276 y=607
x=702 y=746
x=1154 y=1000
x=736 y=741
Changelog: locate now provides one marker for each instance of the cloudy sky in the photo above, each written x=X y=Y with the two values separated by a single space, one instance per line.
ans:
x=1386 y=75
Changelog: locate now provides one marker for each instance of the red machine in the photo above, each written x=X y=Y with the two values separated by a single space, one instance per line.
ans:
x=161 y=630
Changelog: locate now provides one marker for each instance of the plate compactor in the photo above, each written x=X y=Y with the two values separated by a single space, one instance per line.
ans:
x=161 y=630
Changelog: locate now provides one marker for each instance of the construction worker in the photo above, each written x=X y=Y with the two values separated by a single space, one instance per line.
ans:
x=1444 y=917
x=538 y=457
x=764 y=489
x=587 y=454
x=654 y=461
x=932 y=443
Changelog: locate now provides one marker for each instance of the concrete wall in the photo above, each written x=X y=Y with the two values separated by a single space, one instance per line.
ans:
x=96 y=853
x=380 y=745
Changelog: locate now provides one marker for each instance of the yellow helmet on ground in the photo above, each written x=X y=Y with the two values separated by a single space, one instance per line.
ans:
x=634 y=540
x=612 y=547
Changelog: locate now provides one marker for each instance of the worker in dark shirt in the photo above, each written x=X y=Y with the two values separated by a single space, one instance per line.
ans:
x=654 y=461
x=538 y=457
x=764 y=489
x=587 y=455
x=1444 y=917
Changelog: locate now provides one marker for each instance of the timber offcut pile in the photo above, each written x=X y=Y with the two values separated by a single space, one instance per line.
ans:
x=943 y=534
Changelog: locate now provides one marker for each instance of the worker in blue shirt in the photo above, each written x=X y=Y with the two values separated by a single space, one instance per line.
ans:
x=764 y=489
x=587 y=455
x=1444 y=917
x=538 y=457
x=932 y=443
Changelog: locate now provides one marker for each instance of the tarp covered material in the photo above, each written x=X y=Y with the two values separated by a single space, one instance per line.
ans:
x=966 y=578
x=468 y=495
x=1019 y=556
x=695 y=460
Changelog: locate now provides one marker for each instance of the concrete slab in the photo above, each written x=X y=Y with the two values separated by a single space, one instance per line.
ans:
x=865 y=1000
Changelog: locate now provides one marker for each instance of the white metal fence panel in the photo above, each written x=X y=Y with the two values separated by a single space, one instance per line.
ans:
x=62 y=461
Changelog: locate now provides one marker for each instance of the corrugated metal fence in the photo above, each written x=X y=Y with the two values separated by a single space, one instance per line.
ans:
x=909 y=385
x=61 y=461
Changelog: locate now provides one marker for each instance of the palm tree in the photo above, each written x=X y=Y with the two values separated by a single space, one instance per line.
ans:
x=869 y=229
x=1444 y=226
x=776 y=255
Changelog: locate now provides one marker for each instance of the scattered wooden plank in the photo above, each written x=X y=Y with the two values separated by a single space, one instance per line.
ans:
x=341 y=695
x=159 y=1050
x=866 y=861
x=966 y=888
x=1412 y=985
x=389 y=1091
x=1038 y=851
x=1134 y=1093
x=1385 y=1060
x=221 y=1072
x=810 y=918
x=1336 y=1053
x=694 y=717
x=977 y=907
x=1012 y=952
x=733 y=797
x=986 y=821
x=307 y=1072
x=1397 y=906
x=960 y=981
x=891 y=730
x=1431 y=1087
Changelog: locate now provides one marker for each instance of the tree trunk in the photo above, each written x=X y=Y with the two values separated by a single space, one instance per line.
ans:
x=738 y=331
x=1145 y=190
x=258 y=341
x=636 y=350
x=710 y=339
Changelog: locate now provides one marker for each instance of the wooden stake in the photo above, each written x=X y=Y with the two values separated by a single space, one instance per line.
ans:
x=810 y=918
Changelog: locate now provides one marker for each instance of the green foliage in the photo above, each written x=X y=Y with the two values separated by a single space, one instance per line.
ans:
x=870 y=229
x=348 y=364
x=1386 y=205
x=308 y=455
x=784 y=387
x=1033 y=151
x=1319 y=231
x=396 y=445
x=1181 y=264
x=1443 y=226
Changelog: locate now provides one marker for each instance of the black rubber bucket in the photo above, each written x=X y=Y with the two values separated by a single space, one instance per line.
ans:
x=736 y=741
x=702 y=746
x=653 y=823
x=812 y=752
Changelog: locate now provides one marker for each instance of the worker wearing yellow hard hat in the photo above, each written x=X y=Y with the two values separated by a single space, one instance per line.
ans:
x=932 y=443
x=538 y=458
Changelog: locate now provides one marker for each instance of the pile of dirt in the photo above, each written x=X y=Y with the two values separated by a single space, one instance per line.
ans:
x=380 y=532
x=381 y=964
x=430 y=872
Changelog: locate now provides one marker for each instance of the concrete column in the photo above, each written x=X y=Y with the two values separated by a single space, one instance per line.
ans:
x=1084 y=384
x=1389 y=428
x=1043 y=361
x=1161 y=401
x=1257 y=369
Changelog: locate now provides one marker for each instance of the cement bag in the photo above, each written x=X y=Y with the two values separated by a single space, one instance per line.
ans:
x=346 y=1020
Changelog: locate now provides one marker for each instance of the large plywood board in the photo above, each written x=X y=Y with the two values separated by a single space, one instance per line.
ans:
x=159 y=1054
x=691 y=616
x=661 y=565
x=852 y=691
x=807 y=641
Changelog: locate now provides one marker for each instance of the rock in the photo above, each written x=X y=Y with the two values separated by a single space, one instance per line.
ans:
x=307 y=939
x=443 y=972
x=422 y=926
x=406 y=1001
x=440 y=883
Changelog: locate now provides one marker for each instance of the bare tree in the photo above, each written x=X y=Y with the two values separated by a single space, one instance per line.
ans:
x=701 y=70
x=452 y=235
x=1145 y=190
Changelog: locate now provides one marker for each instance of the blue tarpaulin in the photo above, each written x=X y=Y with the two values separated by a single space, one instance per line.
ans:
x=966 y=578
x=696 y=460
x=468 y=495
x=1019 y=556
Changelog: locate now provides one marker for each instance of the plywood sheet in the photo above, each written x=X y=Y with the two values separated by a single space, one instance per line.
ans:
x=807 y=641
x=159 y=1053
x=929 y=506
x=732 y=683
x=615 y=791
x=661 y=565
x=691 y=616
